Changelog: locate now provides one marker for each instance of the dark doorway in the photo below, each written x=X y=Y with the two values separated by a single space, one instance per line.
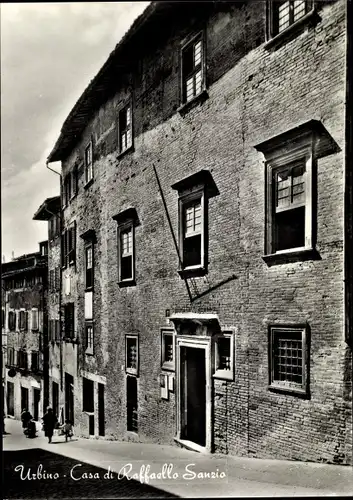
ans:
x=101 y=410
x=91 y=425
x=10 y=399
x=193 y=395
x=55 y=398
x=36 y=401
x=131 y=397
x=24 y=398
x=69 y=397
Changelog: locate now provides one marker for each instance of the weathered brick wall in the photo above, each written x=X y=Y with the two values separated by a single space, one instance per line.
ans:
x=257 y=95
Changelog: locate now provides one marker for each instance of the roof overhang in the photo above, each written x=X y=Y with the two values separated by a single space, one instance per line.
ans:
x=48 y=208
x=209 y=320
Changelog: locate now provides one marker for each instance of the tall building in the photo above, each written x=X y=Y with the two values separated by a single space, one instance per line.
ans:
x=205 y=289
x=24 y=294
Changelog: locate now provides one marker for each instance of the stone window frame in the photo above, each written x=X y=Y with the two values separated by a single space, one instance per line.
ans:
x=123 y=109
x=89 y=339
x=12 y=320
x=220 y=373
x=293 y=388
x=275 y=38
x=34 y=319
x=202 y=95
x=307 y=142
x=130 y=370
x=167 y=365
x=199 y=185
x=126 y=220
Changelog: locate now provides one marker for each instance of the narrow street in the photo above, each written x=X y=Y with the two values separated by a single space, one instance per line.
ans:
x=106 y=469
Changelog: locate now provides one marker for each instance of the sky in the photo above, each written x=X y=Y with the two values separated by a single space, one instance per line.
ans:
x=49 y=54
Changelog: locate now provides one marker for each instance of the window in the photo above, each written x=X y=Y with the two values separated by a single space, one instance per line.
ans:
x=131 y=404
x=67 y=188
x=288 y=358
x=12 y=320
x=23 y=320
x=57 y=330
x=131 y=354
x=69 y=314
x=89 y=163
x=193 y=78
x=89 y=266
x=87 y=395
x=126 y=254
x=35 y=317
x=19 y=282
x=54 y=226
x=224 y=355
x=284 y=14
x=89 y=337
x=22 y=359
x=11 y=356
x=57 y=278
x=68 y=246
x=3 y=318
x=127 y=221
x=34 y=361
x=167 y=349
x=51 y=330
x=125 y=129
x=290 y=180
x=192 y=231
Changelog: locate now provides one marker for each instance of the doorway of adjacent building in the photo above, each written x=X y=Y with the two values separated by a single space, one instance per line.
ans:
x=69 y=397
x=24 y=398
x=193 y=391
x=101 y=410
x=55 y=398
x=10 y=399
x=131 y=404
x=36 y=402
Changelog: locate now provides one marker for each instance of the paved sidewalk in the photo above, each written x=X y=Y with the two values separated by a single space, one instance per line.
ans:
x=190 y=472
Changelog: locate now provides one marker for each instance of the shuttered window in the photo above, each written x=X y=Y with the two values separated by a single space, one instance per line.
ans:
x=125 y=128
x=69 y=320
x=89 y=163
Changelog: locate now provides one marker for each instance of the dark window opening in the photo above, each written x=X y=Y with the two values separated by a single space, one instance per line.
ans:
x=224 y=353
x=290 y=229
x=69 y=312
x=87 y=395
x=89 y=266
x=35 y=361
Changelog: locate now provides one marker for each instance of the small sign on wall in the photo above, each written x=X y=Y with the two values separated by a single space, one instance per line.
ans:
x=171 y=382
x=163 y=382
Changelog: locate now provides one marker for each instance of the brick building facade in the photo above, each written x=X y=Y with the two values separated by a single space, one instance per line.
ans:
x=202 y=238
x=24 y=285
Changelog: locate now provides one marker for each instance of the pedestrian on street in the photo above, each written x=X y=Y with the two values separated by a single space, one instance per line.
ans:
x=49 y=422
x=25 y=417
x=68 y=429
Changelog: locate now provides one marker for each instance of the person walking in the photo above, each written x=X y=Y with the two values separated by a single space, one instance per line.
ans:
x=25 y=417
x=49 y=422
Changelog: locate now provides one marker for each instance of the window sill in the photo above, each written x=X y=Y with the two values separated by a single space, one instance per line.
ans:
x=224 y=375
x=192 y=272
x=128 y=150
x=125 y=283
x=310 y=19
x=295 y=255
x=284 y=389
x=131 y=371
x=168 y=366
x=199 y=99
x=88 y=184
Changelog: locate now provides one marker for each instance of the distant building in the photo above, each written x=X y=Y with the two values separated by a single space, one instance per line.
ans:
x=24 y=293
x=50 y=211
x=206 y=290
